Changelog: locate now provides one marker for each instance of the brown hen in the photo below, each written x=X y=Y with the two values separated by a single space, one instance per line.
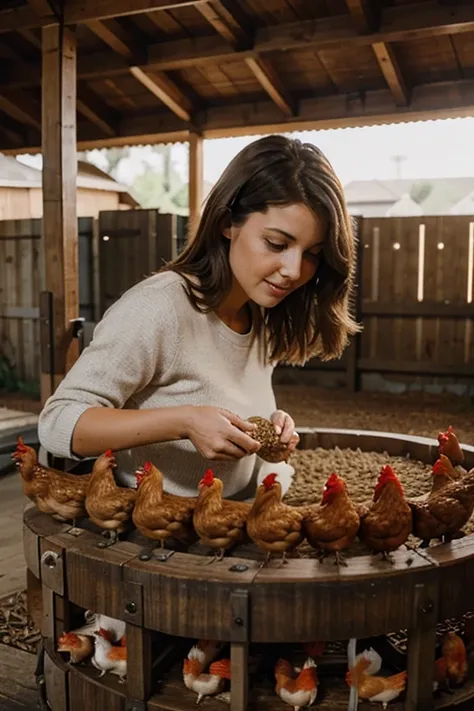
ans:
x=332 y=526
x=219 y=523
x=272 y=525
x=52 y=491
x=388 y=522
x=109 y=506
x=158 y=515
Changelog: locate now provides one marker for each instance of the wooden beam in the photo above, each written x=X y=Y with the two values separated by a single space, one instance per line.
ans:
x=165 y=90
x=77 y=11
x=60 y=240
x=270 y=82
x=223 y=17
x=392 y=73
x=81 y=11
x=228 y=21
x=429 y=101
x=196 y=180
x=115 y=36
x=363 y=15
x=95 y=110
x=21 y=107
x=364 y=18
x=328 y=33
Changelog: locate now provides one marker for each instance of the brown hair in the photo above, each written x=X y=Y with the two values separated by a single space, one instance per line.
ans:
x=315 y=319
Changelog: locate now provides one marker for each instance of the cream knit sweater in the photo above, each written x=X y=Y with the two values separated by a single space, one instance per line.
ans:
x=153 y=349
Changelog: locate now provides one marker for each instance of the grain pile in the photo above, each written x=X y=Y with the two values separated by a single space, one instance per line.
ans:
x=360 y=471
x=16 y=629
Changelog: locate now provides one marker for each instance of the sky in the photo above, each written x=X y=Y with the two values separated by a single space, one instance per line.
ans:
x=428 y=149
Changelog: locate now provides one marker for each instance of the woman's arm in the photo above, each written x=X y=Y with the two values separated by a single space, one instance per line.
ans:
x=216 y=433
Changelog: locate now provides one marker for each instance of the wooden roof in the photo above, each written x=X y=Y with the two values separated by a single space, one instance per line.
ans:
x=154 y=70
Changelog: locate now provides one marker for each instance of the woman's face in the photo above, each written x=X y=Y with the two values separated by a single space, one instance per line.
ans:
x=274 y=252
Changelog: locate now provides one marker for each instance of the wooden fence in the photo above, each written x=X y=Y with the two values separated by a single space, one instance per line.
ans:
x=115 y=251
x=415 y=299
x=415 y=296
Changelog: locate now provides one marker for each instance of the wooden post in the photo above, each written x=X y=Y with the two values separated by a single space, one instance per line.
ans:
x=196 y=181
x=60 y=241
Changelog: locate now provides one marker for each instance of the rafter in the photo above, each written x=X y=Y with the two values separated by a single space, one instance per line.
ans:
x=422 y=22
x=115 y=36
x=95 y=110
x=228 y=20
x=270 y=82
x=165 y=90
x=440 y=100
x=40 y=14
x=21 y=107
x=365 y=20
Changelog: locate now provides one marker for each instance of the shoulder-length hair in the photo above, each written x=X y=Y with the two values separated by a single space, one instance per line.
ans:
x=314 y=320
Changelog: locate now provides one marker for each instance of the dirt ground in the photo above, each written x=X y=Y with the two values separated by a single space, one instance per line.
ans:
x=409 y=413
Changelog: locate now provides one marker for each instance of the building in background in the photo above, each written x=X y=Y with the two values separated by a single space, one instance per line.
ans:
x=424 y=196
x=21 y=191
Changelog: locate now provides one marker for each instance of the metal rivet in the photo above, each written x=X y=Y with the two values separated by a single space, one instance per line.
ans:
x=131 y=608
x=239 y=568
x=49 y=559
x=238 y=621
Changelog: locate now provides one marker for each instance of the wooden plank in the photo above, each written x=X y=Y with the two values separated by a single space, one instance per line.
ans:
x=59 y=190
x=390 y=68
x=17 y=683
x=139 y=664
x=433 y=309
x=78 y=11
x=87 y=692
x=272 y=84
x=55 y=677
x=196 y=180
x=165 y=90
x=414 y=367
x=421 y=646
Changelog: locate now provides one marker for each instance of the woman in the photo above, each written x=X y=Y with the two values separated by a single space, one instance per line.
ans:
x=184 y=357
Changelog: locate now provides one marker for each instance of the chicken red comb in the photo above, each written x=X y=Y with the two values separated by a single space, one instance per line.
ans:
x=104 y=633
x=387 y=474
x=108 y=453
x=208 y=478
x=333 y=480
x=444 y=436
x=220 y=668
x=147 y=467
x=21 y=446
x=269 y=481
x=441 y=465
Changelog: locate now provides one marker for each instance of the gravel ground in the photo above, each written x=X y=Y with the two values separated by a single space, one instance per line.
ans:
x=410 y=413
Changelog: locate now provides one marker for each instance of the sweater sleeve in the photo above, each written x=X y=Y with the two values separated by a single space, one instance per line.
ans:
x=135 y=342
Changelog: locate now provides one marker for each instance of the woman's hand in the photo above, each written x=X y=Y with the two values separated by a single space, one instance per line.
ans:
x=285 y=427
x=219 y=434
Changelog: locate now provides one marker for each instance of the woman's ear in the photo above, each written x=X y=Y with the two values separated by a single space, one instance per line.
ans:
x=227 y=232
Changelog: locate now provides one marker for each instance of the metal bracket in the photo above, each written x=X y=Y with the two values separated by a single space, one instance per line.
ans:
x=52 y=571
x=239 y=611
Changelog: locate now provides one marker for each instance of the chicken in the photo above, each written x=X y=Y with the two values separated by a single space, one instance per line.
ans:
x=78 y=646
x=332 y=526
x=440 y=674
x=158 y=515
x=109 y=658
x=205 y=684
x=455 y=655
x=445 y=512
x=375 y=688
x=52 y=491
x=115 y=629
x=220 y=524
x=273 y=526
x=388 y=522
x=442 y=473
x=109 y=506
x=297 y=689
x=448 y=444
x=204 y=651
x=374 y=658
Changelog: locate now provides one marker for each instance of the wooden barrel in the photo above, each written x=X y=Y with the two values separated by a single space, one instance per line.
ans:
x=234 y=601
